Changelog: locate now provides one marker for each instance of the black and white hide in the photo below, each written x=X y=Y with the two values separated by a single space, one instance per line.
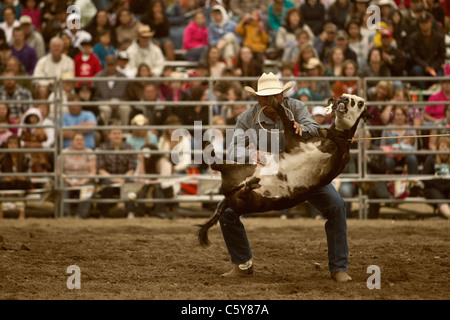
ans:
x=304 y=167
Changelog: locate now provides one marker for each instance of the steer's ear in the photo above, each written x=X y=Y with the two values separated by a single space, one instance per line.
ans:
x=366 y=116
x=331 y=105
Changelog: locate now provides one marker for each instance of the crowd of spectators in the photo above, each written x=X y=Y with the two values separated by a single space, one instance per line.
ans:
x=133 y=39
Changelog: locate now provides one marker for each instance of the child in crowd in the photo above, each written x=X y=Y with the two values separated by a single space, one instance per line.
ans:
x=104 y=47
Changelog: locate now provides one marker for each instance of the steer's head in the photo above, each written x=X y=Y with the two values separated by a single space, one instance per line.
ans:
x=348 y=110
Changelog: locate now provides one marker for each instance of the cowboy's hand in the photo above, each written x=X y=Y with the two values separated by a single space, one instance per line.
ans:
x=297 y=127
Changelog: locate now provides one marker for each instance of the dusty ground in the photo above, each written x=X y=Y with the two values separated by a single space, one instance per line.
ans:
x=149 y=258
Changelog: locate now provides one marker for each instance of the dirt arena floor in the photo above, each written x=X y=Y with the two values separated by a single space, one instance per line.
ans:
x=154 y=259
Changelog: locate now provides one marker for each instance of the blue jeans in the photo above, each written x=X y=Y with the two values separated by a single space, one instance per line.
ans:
x=327 y=200
x=411 y=160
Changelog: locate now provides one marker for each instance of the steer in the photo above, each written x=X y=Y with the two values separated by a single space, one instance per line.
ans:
x=304 y=167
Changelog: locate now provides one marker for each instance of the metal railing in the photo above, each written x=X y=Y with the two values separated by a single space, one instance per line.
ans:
x=362 y=174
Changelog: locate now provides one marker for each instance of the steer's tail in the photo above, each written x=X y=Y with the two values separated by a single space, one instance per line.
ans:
x=203 y=231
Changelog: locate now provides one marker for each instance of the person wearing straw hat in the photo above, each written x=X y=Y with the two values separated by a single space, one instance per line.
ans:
x=327 y=199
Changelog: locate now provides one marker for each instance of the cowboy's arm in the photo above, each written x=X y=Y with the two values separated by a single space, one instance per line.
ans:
x=303 y=117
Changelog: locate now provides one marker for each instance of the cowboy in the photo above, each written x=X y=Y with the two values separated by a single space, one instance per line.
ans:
x=327 y=200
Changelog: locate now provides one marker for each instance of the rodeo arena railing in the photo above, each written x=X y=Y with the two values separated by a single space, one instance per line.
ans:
x=49 y=186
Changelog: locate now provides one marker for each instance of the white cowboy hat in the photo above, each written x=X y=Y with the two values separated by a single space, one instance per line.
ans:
x=269 y=85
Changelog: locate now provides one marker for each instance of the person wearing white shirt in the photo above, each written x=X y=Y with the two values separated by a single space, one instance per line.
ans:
x=9 y=14
x=144 y=51
x=53 y=64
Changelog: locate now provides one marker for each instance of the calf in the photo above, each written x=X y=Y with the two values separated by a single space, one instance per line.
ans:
x=304 y=167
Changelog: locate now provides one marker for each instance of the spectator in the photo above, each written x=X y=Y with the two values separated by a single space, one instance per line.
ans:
x=177 y=22
x=87 y=64
x=212 y=60
x=392 y=57
x=195 y=38
x=134 y=89
x=253 y=34
x=222 y=34
x=413 y=115
x=196 y=112
x=140 y=137
x=318 y=114
x=301 y=37
x=375 y=67
x=335 y=63
x=112 y=164
x=382 y=92
x=5 y=54
x=313 y=12
x=6 y=118
x=9 y=14
x=314 y=68
x=49 y=130
x=174 y=90
x=433 y=113
x=358 y=43
x=122 y=64
x=15 y=162
x=127 y=28
x=26 y=55
x=338 y=13
x=57 y=23
x=386 y=7
x=68 y=49
x=358 y=10
x=324 y=42
x=77 y=117
x=407 y=143
x=437 y=11
x=439 y=165
x=17 y=8
x=247 y=66
x=349 y=69
x=113 y=91
x=307 y=52
x=155 y=113
x=77 y=164
x=5 y=133
x=241 y=8
x=342 y=42
x=236 y=111
x=286 y=71
x=11 y=90
x=180 y=149
x=442 y=126
x=103 y=46
x=277 y=13
x=53 y=64
x=114 y=10
x=99 y=24
x=400 y=31
x=153 y=164
x=427 y=50
x=33 y=136
x=158 y=20
x=144 y=51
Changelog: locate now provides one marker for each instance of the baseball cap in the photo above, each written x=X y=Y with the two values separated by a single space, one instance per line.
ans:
x=139 y=120
x=385 y=33
x=424 y=17
x=25 y=20
x=341 y=34
x=123 y=55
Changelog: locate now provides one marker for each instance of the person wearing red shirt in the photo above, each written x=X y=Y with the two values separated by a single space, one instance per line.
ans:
x=195 y=38
x=87 y=64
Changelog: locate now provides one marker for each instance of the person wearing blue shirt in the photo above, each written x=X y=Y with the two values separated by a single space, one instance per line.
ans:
x=222 y=34
x=77 y=117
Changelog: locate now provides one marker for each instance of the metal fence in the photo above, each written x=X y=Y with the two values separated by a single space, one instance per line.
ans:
x=56 y=180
